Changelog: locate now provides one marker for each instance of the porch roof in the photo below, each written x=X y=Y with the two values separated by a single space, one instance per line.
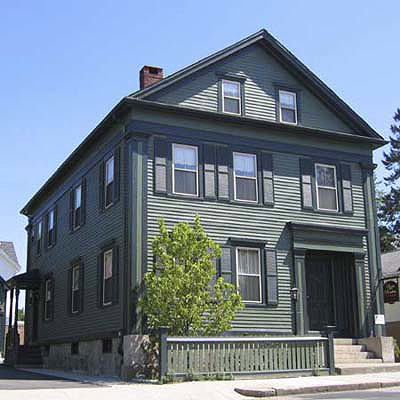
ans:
x=27 y=280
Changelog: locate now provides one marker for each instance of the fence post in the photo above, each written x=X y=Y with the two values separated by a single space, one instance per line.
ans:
x=163 y=356
x=331 y=350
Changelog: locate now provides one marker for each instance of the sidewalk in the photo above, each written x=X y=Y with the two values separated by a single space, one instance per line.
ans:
x=210 y=390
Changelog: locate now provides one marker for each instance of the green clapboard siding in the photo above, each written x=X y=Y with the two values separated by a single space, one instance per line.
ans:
x=264 y=75
x=222 y=220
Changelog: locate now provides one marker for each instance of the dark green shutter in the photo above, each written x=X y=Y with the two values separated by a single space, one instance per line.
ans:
x=271 y=276
x=347 y=188
x=225 y=269
x=223 y=173
x=306 y=172
x=209 y=171
x=83 y=201
x=117 y=174
x=69 y=289
x=101 y=185
x=268 y=178
x=100 y=279
x=115 y=272
x=81 y=286
x=160 y=165
x=55 y=227
x=71 y=210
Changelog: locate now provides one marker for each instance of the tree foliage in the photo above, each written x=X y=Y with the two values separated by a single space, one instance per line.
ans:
x=182 y=291
x=389 y=202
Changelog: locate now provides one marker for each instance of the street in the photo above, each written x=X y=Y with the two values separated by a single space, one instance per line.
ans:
x=12 y=379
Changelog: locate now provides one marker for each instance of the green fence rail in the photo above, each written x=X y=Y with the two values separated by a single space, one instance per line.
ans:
x=243 y=355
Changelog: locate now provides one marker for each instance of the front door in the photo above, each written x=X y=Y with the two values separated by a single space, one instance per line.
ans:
x=320 y=304
x=331 y=292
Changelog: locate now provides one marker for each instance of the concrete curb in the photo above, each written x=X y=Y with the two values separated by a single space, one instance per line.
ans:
x=273 y=392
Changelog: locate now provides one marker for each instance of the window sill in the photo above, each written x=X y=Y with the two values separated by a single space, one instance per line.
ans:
x=259 y=305
x=327 y=212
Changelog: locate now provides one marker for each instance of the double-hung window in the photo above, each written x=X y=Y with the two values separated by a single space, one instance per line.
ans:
x=51 y=234
x=77 y=207
x=185 y=170
x=326 y=187
x=231 y=97
x=109 y=182
x=107 y=277
x=287 y=107
x=248 y=270
x=39 y=237
x=48 y=299
x=245 y=177
x=76 y=289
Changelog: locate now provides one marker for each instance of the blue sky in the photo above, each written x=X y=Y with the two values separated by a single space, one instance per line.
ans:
x=64 y=64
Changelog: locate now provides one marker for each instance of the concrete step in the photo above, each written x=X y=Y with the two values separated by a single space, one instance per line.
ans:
x=355 y=348
x=362 y=368
x=359 y=361
x=344 y=342
x=361 y=355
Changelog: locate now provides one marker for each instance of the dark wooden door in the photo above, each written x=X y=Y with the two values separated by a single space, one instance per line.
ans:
x=319 y=290
x=35 y=315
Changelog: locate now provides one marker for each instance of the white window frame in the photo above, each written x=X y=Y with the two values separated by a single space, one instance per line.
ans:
x=241 y=274
x=47 y=283
x=326 y=187
x=75 y=208
x=294 y=94
x=245 y=177
x=231 y=97
x=39 y=235
x=109 y=160
x=74 y=269
x=175 y=145
x=104 y=272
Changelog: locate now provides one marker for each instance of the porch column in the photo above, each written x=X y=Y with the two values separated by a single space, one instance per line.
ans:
x=359 y=259
x=16 y=337
x=300 y=282
x=10 y=314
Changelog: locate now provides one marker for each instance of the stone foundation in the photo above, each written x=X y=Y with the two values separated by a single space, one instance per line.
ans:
x=90 y=359
x=134 y=356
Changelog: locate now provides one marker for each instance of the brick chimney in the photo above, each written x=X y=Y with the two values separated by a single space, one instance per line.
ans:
x=149 y=75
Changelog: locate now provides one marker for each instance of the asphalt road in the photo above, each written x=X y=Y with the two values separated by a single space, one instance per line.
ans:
x=12 y=379
x=376 y=394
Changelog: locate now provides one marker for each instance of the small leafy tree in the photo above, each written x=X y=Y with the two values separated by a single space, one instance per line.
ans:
x=182 y=291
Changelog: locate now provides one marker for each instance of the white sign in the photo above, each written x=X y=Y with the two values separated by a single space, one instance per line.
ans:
x=379 y=319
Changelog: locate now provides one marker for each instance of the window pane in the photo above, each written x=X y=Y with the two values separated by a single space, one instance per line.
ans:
x=326 y=176
x=248 y=261
x=108 y=261
x=287 y=100
x=327 y=199
x=288 y=115
x=249 y=287
x=246 y=189
x=78 y=197
x=231 y=105
x=185 y=182
x=110 y=170
x=185 y=158
x=231 y=89
x=107 y=291
x=109 y=193
x=75 y=301
x=48 y=291
x=245 y=165
x=75 y=279
x=51 y=219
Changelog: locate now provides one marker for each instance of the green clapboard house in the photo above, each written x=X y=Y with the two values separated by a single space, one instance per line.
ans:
x=280 y=171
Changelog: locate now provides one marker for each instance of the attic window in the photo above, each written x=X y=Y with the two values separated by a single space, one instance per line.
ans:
x=231 y=97
x=287 y=107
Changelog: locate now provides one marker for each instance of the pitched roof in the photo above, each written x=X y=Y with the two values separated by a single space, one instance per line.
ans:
x=274 y=47
x=139 y=99
x=391 y=263
x=8 y=248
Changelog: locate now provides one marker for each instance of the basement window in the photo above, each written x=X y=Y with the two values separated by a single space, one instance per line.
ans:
x=107 y=345
x=75 y=348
